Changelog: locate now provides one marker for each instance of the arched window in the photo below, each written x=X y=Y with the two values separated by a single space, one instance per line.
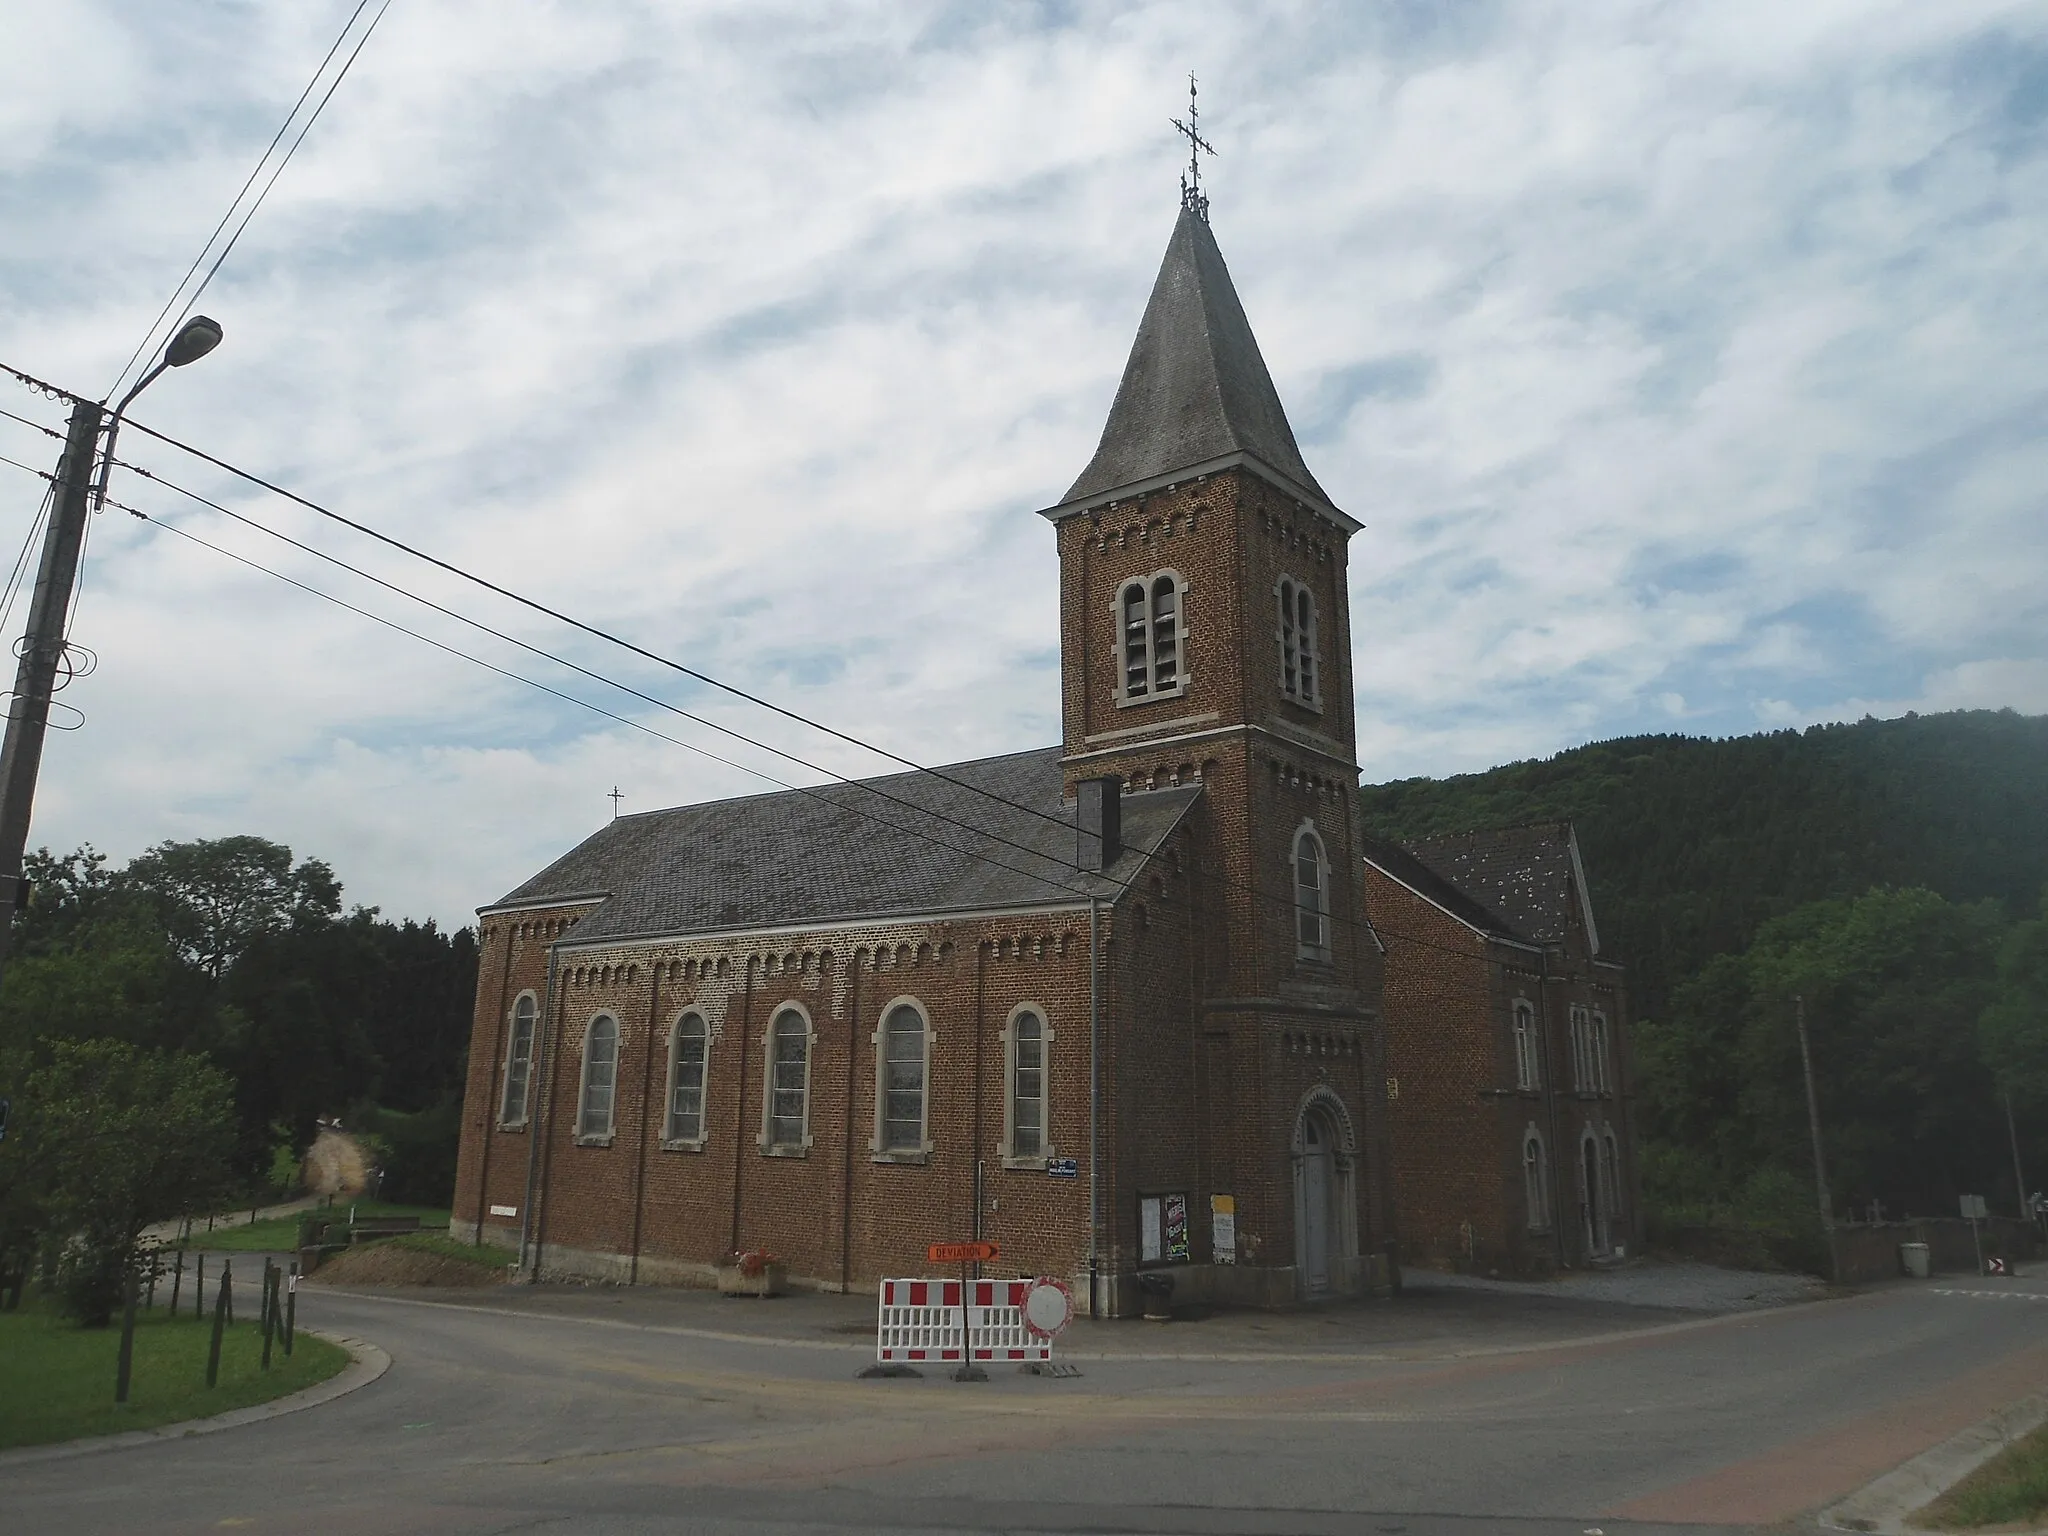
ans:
x=1535 y=1180
x=518 y=1061
x=1299 y=671
x=600 y=1077
x=1610 y=1176
x=901 y=1062
x=1582 y=1049
x=1528 y=1059
x=789 y=1082
x=1311 y=896
x=1151 y=621
x=1024 y=1139
x=688 y=1046
x=1596 y=1038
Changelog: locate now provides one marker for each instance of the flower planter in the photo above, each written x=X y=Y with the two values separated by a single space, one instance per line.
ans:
x=766 y=1280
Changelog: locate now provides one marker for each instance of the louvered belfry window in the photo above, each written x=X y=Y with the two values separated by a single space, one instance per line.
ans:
x=1298 y=669
x=1165 y=635
x=1137 y=670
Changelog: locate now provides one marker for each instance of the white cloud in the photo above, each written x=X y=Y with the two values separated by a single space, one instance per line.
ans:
x=1683 y=363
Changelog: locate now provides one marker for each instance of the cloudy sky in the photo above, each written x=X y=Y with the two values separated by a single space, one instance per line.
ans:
x=1686 y=364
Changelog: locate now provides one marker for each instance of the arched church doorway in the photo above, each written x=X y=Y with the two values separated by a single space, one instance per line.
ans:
x=1325 y=1201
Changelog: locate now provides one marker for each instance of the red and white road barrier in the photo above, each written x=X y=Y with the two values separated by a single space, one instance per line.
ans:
x=920 y=1320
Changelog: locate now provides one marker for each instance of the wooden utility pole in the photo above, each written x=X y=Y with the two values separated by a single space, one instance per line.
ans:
x=42 y=654
x=1820 y=1166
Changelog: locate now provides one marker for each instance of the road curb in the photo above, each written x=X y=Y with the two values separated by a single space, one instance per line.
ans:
x=366 y=1364
x=1100 y=1356
x=1882 y=1507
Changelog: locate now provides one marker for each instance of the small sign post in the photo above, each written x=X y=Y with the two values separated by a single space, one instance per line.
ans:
x=1973 y=1212
x=964 y=1254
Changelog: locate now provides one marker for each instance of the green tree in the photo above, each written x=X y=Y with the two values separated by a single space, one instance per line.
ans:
x=104 y=1140
x=217 y=896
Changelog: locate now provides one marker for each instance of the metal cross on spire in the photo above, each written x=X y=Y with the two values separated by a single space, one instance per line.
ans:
x=1191 y=197
x=615 y=797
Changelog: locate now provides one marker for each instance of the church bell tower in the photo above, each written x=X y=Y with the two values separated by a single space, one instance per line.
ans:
x=1205 y=629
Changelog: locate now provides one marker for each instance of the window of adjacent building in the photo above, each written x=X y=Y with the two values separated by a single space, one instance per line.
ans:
x=903 y=1062
x=1528 y=1059
x=1596 y=1043
x=688 y=1047
x=789 y=1082
x=600 y=1079
x=1610 y=1174
x=1311 y=896
x=1535 y=1181
x=1024 y=1138
x=1151 y=621
x=1299 y=671
x=1582 y=1049
x=518 y=1061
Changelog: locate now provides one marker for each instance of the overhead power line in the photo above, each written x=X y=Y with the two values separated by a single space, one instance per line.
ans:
x=270 y=149
x=1248 y=885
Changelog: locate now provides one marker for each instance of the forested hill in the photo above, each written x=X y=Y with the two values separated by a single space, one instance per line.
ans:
x=1691 y=844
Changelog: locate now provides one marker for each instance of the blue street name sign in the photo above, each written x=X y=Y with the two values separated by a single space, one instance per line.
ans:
x=1063 y=1167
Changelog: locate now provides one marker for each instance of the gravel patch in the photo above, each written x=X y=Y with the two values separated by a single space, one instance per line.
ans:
x=1678 y=1286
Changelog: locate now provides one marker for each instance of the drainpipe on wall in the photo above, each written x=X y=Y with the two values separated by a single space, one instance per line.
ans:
x=534 y=1106
x=1094 y=1106
x=1549 y=1106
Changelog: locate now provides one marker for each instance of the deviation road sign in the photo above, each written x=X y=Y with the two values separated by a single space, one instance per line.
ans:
x=962 y=1253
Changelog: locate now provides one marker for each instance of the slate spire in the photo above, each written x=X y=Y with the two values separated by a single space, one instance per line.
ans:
x=1195 y=388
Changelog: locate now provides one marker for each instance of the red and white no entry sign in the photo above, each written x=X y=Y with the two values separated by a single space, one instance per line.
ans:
x=1048 y=1307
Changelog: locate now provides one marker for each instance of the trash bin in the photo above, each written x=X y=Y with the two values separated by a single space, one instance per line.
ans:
x=1913 y=1259
x=1158 y=1292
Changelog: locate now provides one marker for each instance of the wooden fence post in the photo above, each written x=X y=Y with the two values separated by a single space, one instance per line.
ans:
x=220 y=1322
x=199 y=1293
x=269 y=1308
x=177 y=1279
x=125 y=1368
x=291 y=1309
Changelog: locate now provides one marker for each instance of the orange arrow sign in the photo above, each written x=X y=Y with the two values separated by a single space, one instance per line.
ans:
x=961 y=1253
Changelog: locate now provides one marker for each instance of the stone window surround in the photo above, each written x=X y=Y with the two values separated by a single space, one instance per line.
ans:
x=1528 y=1045
x=1318 y=953
x=1536 y=1179
x=765 y=1140
x=507 y=1121
x=1182 y=673
x=1011 y=1158
x=675 y=1034
x=921 y=1153
x=597 y=1138
x=1306 y=641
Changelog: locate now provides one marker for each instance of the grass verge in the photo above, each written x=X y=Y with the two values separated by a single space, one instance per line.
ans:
x=280 y=1234
x=2011 y=1488
x=57 y=1379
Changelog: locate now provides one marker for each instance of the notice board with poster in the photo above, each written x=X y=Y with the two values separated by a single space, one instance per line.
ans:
x=1223 y=1228
x=1163 y=1230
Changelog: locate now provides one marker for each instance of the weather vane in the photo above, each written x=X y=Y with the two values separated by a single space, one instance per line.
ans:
x=1191 y=183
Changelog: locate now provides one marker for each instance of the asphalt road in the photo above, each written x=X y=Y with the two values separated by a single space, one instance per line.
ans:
x=602 y=1414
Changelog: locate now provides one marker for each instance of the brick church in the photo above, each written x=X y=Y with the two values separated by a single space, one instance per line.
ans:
x=1115 y=1004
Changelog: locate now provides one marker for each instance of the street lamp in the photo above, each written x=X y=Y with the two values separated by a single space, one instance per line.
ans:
x=42 y=647
x=196 y=337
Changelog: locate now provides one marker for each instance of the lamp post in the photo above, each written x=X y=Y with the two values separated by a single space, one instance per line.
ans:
x=42 y=646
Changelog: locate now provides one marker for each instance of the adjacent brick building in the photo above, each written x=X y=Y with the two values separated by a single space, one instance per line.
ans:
x=1507 y=1054
x=1112 y=1004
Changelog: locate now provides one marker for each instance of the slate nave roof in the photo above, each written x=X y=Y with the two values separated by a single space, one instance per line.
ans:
x=843 y=852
